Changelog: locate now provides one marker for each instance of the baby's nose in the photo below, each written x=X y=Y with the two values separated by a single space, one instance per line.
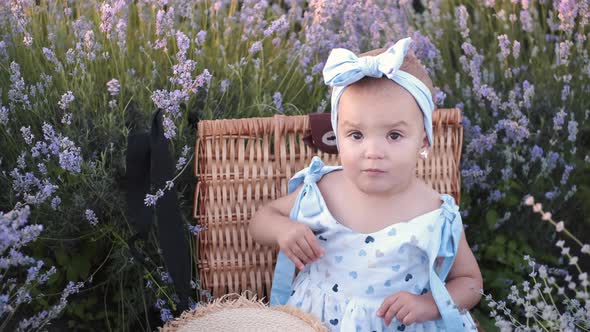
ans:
x=374 y=150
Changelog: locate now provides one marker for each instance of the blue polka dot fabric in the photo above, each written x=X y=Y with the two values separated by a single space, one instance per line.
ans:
x=346 y=287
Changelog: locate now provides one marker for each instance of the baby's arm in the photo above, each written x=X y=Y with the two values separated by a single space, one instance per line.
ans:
x=270 y=225
x=464 y=281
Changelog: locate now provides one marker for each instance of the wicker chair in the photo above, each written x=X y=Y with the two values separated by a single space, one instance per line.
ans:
x=243 y=163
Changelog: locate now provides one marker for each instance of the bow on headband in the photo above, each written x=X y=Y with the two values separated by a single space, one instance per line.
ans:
x=344 y=68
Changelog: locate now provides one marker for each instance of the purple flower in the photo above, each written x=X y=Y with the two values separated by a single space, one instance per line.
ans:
x=66 y=100
x=27 y=135
x=528 y=93
x=69 y=156
x=572 y=129
x=255 y=48
x=515 y=49
x=462 y=17
x=277 y=100
x=482 y=143
x=550 y=195
x=16 y=94
x=55 y=202
x=4 y=115
x=439 y=96
x=150 y=200
x=516 y=131
x=201 y=35
x=113 y=87
x=91 y=217
x=536 y=153
x=496 y=195
x=196 y=229
x=67 y=119
x=183 y=44
x=559 y=120
x=565 y=92
x=526 y=21
x=566 y=173
x=121 y=33
x=504 y=43
x=563 y=51
x=107 y=14
x=552 y=159
x=182 y=160
x=164 y=26
x=169 y=127
x=160 y=303
x=568 y=10
x=166 y=315
x=224 y=85
x=278 y=26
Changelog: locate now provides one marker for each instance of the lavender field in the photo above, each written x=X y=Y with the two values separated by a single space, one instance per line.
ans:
x=76 y=77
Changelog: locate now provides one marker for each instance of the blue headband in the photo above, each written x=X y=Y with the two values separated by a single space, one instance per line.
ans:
x=344 y=68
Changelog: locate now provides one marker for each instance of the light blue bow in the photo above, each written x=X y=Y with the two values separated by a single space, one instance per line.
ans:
x=452 y=228
x=344 y=68
x=307 y=204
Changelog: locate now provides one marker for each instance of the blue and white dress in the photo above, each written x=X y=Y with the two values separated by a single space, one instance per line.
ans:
x=346 y=287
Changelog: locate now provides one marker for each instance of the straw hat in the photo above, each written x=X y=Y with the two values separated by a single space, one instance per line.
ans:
x=234 y=312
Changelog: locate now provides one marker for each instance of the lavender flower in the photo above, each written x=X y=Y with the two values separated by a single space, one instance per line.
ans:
x=278 y=26
x=196 y=229
x=113 y=87
x=107 y=14
x=536 y=153
x=566 y=173
x=568 y=10
x=27 y=135
x=559 y=120
x=55 y=202
x=278 y=101
x=4 y=115
x=150 y=200
x=182 y=160
x=91 y=217
x=255 y=48
x=200 y=39
x=504 y=44
x=66 y=99
x=462 y=17
x=223 y=86
x=572 y=129
x=67 y=119
x=16 y=94
x=526 y=21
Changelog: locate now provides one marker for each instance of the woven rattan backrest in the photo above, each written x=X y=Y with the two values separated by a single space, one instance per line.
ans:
x=243 y=163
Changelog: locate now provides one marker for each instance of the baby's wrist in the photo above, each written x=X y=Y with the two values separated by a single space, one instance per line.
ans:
x=432 y=309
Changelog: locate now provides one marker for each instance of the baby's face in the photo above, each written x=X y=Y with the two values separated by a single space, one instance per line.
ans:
x=380 y=134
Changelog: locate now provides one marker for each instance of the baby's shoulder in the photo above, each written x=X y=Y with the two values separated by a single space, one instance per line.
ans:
x=330 y=182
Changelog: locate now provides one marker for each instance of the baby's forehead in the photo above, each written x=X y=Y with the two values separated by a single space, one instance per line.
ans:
x=380 y=98
x=372 y=85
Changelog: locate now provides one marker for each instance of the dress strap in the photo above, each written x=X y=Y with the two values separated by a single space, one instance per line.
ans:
x=451 y=228
x=308 y=204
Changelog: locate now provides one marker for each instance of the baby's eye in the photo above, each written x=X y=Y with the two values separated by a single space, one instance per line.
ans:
x=395 y=136
x=356 y=135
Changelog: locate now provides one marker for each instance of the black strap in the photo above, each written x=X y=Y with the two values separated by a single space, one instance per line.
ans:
x=171 y=233
x=149 y=162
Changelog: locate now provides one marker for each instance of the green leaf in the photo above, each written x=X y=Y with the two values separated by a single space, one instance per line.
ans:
x=491 y=218
x=62 y=257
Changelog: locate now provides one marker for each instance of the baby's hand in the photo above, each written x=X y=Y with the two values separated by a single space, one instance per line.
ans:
x=408 y=308
x=298 y=242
